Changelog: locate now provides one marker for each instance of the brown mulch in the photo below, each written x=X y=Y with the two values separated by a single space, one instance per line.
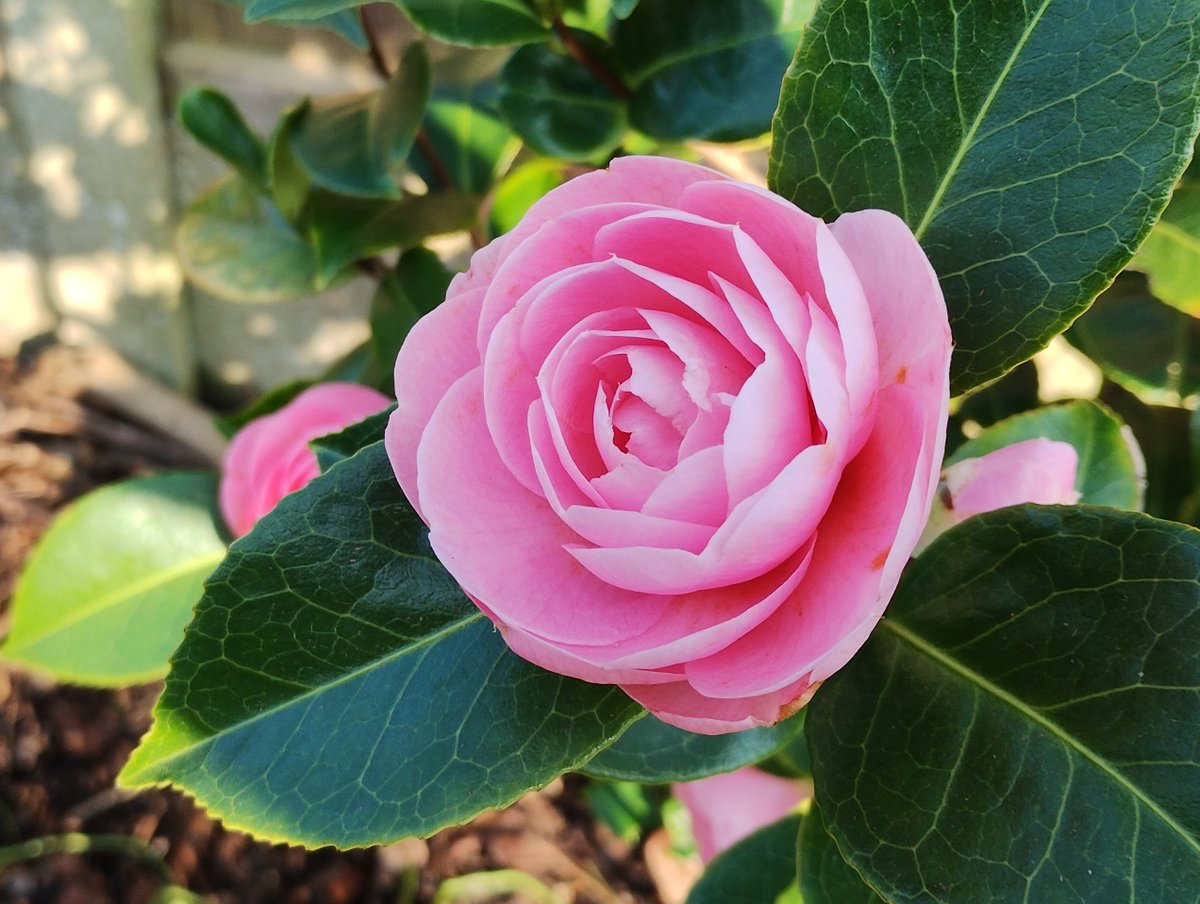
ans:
x=61 y=747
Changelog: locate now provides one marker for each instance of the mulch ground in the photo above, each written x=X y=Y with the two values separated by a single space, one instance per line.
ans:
x=61 y=747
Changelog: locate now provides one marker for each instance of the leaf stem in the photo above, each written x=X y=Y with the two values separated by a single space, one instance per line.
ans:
x=80 y=843
x=575 y=48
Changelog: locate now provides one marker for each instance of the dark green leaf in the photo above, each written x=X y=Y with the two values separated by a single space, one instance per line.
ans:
x=558 y=106
x=476 y=23
x=106 y=593
x=336 y=686
x=472 y=147
x=517 y=192
x=707 y=68
x=653 y=752
x=258 y=10
x=235 y=243
x=346 y=229
x=1108 y=473
x=1148 y=347
x=825 y=878
x=1023 y=725
x=411 y=290
x=760 y=869
x=287 y=180
x=267 y=403
x=346 y=23
x=346 y=443
x=1029 y=162
x=1171 y=253
x=352 y=144
x=1013 y=393
x=216 y=123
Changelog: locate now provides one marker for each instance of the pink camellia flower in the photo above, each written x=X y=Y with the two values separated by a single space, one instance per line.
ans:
x=673 y=433
x=1041 y=471
x=727 y=808
x=270 y=457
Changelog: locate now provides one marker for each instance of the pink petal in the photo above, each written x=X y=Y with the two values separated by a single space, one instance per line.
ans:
x=436 y=352
x=727 y=808
x=678 y=704
x=504 y=544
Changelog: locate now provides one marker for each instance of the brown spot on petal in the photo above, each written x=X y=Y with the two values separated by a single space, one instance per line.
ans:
x=790 y=709
x=879 y=560
x=902 y=375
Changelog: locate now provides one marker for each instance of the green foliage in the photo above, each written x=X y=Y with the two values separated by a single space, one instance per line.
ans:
x=1029 y=163
x=1107 y=474
x=760 y=869
x=824 y=877
x=472 y=148
x=518 y=191
x=216 y=123
x=345 y=22
x=413 y=288
x=360 y=703
x=653 y=752
x=631 y=810
x=346 y=443
x=267 y=403
x=352 y=144
x=476 y=23
x=1023 y=724
x=105 y=596
x=1151 y=349
x=558 y=106
x=1171 y=253
x=233 y=241
x=707 y=69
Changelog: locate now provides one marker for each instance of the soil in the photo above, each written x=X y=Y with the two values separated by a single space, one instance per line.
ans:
x=61 y=746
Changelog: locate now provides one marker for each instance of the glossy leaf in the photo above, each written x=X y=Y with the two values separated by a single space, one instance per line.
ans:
x=760 y=869
x=1108 y=473
x=413 y=288
x=360 y=703
x=1022 y=726
x=518 y=191
x=558 y=106
x=351 y=144
x=214 y=121
x=258 y=10
x=347 y=443
x=1171 y=253
x=473 y=148
x=656 y=753
x=1029 y=162
x=1148 y=347
x=707 y=69
x=824 y=877
x=107 y=591
x=346 y=22
x=235 y=243
x=476 y=23
x=345 y=229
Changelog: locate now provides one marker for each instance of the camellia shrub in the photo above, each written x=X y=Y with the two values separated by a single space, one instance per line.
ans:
x=686 y=474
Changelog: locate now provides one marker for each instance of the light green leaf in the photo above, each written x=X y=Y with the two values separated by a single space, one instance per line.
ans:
x=1022 y=725
x=1107 y=473
x=352 y=144
x=1171 y=253
x=235 y=243
x=336 y=686
x=707 y=68
x=1151 y=349
x=653 y=752
x=558 y=106
x=472 y=146
x=518 y=191
x=760 y=869
x=825 y=878
x=106 y=593
x=214 y=121
x=1029 y=162
x=476 y=23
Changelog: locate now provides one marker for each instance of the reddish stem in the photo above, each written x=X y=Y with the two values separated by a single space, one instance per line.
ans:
x=575 y=48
